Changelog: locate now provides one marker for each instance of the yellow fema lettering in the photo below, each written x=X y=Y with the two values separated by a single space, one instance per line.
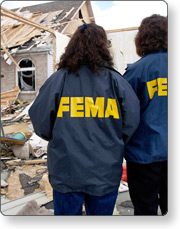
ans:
x=159 y=84
x=77 y=108
x=112 y=109
x=93 y=109
x=62 y=106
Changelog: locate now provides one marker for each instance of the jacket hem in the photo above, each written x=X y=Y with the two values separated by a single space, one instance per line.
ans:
x=145 y=162
x=65 y=189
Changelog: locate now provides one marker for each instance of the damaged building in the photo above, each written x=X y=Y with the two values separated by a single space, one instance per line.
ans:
x=32 y=48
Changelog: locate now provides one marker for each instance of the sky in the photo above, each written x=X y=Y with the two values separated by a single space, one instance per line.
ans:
x=112 y=14
x=124 y=14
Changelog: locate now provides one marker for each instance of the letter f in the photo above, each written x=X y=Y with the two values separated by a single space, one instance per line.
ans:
x=63 y=106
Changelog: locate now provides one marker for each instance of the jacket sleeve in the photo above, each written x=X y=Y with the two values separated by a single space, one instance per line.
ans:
x=130 y=109
x=43 y=111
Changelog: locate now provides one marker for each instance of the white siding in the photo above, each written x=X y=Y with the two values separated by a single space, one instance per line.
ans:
x=49 y=64
x=123 y=49
x=61 y=43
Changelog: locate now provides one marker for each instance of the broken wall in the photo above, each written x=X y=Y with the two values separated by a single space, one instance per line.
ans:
x=9 y=79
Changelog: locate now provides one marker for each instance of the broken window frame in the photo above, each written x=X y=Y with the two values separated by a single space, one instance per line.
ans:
x=26 y=87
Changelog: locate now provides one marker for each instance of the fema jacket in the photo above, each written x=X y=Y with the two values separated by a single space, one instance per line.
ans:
x=87 y=119
x=148 y=77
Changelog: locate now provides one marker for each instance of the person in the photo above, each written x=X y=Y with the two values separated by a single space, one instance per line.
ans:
x=87 y=111
x=146 y=152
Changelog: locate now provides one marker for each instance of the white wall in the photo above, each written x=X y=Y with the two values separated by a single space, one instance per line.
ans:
x=123 y=49
x=61 y=43
x=49 y=64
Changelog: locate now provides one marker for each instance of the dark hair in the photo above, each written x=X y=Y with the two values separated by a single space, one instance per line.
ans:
x=89 y=45
x=152 y=35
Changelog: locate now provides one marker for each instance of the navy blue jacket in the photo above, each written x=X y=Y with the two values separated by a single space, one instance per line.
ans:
x=87 y=119
x=148 y=77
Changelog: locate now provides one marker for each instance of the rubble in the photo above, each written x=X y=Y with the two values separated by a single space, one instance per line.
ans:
x=22 y=152
x=123 y=186
x=19 y=184
x=13 y=207
x=32 y=208
x=3 y=184
x=8 y=97
x=23 y=167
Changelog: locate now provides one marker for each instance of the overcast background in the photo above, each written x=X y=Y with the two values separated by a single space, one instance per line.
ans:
x=112 y=14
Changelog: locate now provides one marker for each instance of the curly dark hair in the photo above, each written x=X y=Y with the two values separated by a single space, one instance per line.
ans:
x=152 y=35
x=89 y=45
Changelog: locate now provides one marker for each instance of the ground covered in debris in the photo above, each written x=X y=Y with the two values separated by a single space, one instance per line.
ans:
x=25 y=188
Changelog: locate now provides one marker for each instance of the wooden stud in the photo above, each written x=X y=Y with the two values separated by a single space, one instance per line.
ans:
x=10 y=57
x=121 y=30
x=28 y=162
x=54 y=53
x=17 y=17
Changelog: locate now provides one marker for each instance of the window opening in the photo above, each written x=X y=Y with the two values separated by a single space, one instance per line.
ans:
x=80 y=14
x=26 y=76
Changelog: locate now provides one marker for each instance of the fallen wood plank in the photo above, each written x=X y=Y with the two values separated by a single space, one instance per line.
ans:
x=7 y=118
x=4 y=104
x=8 y=97
x=28 y=162
x=11 y=92
x=121 y=30
x=12 y=141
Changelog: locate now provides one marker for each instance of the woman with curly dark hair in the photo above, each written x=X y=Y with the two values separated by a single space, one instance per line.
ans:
x=152 y=35
x=89 y=46
x=87 y=112
x=146 y=152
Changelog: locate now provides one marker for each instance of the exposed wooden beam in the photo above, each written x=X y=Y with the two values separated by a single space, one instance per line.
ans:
x=54 y=56
x=26 y=21
x=121 y=30
x=9 y=55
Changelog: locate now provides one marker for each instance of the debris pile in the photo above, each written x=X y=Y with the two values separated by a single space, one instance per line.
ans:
x=23 y=155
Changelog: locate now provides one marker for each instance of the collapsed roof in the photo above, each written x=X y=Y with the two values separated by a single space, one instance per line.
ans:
x=53 y=15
